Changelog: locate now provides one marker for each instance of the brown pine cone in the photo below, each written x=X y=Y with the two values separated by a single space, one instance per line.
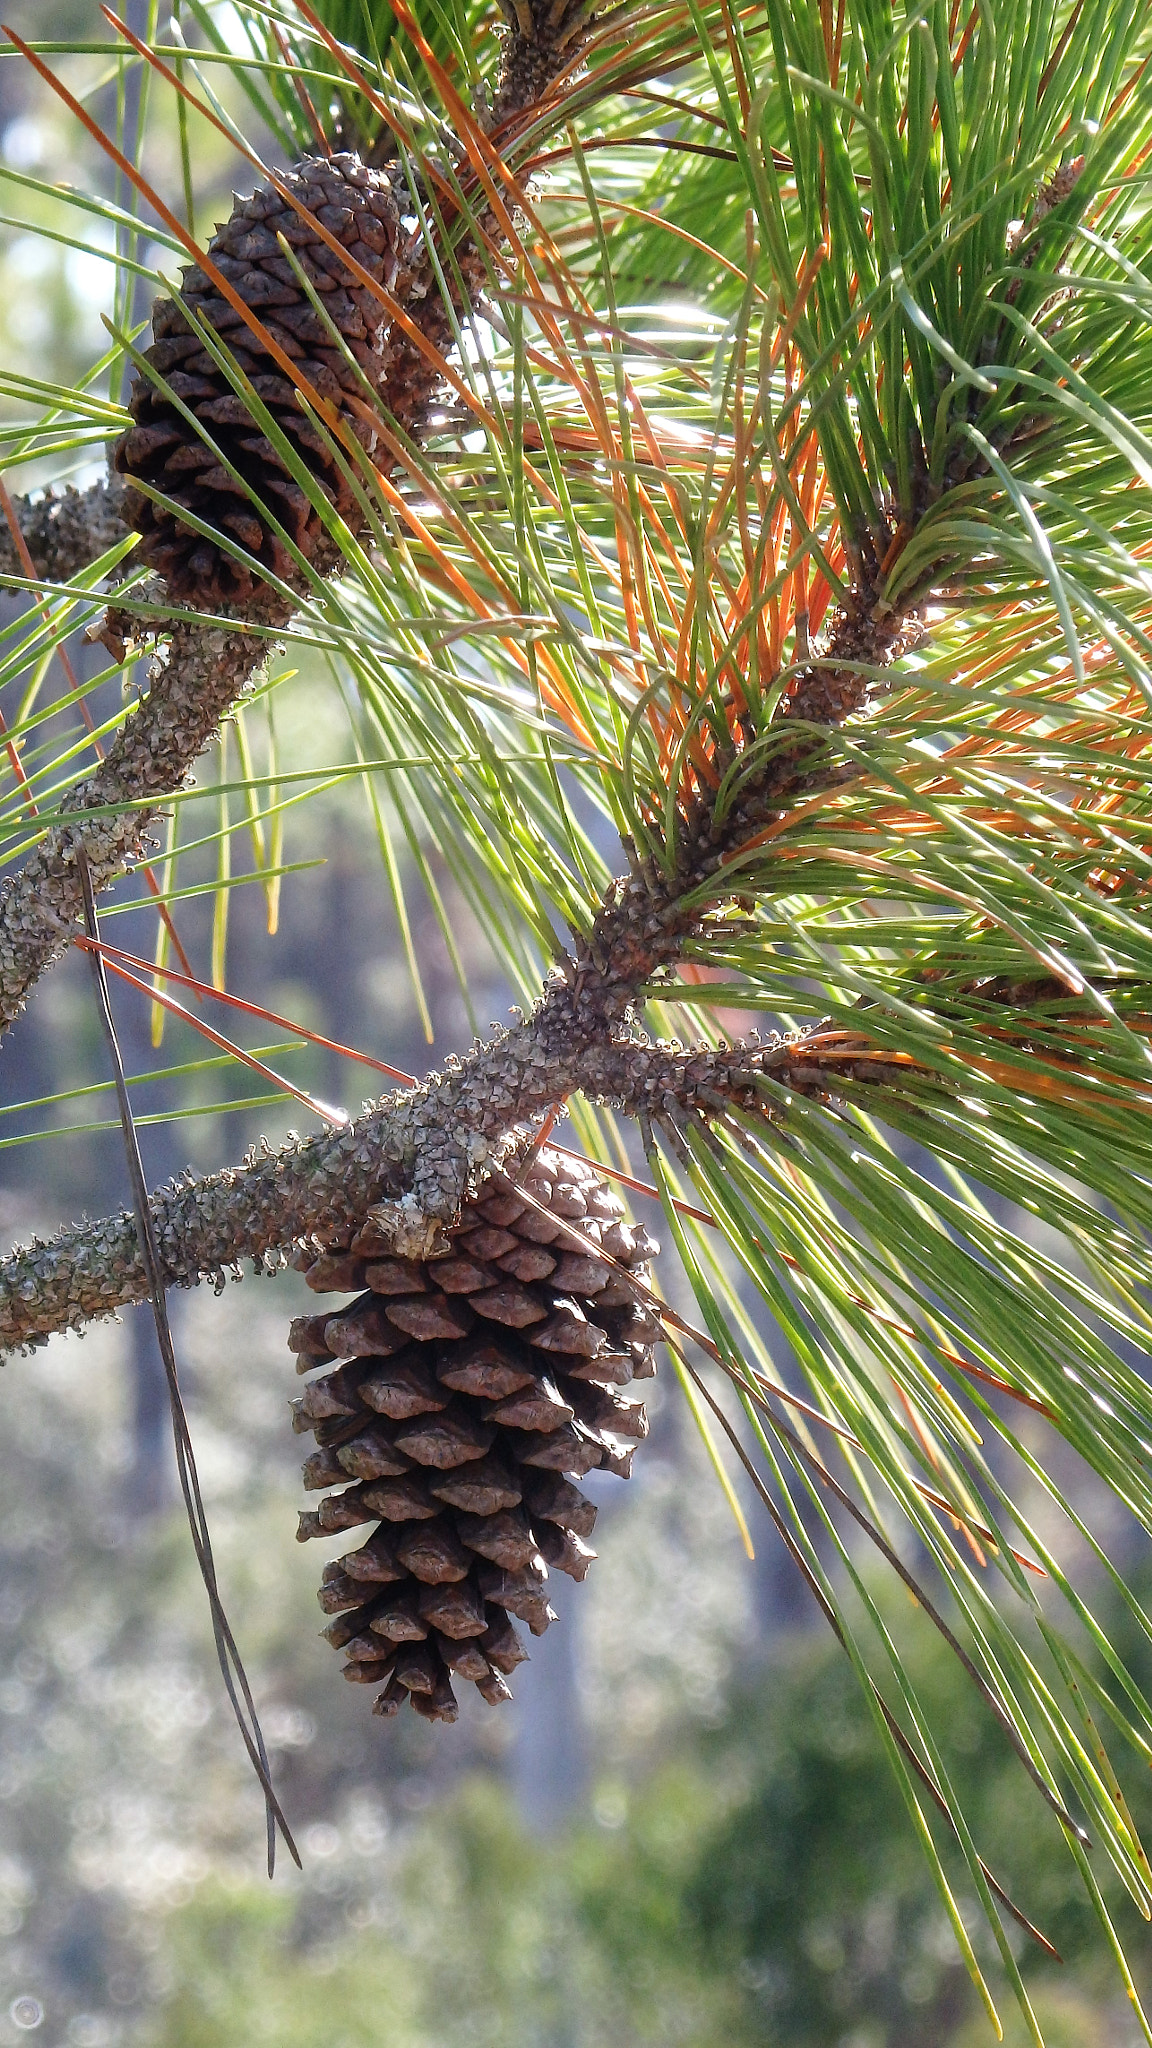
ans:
x=163 y=448
x=473 y=1390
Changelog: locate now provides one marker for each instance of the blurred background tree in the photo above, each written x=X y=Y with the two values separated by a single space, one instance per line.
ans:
x=725 y=1863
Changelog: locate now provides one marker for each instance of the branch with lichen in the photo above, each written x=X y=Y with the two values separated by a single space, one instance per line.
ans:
x=65 y=531
x=194 y=684
x=419 y=1151
x=412 y=1156
x=415 y=1154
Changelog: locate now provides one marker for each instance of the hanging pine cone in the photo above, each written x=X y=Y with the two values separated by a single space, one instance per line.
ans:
x=475 y=1389
x=163 y=448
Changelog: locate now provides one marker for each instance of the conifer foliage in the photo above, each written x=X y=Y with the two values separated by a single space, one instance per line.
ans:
x=711 y=445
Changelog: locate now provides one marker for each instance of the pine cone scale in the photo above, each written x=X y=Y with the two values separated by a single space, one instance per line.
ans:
x=357 y=207
x=464 y=1444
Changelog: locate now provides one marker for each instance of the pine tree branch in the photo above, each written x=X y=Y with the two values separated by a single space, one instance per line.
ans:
x=648 y=917
x=193 y=685
x=421 y=1150
x=435 y=1139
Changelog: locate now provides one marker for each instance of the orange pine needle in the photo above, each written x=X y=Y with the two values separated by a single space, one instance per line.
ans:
x=220 y=995
x=396 y=312
x=809 y=272
x=941 y=1351
x=736 y=60
x=555 y=692
x=226 y=289
x=669 y=227
x=248 y=1059
x=1058 y=52
x=970 y=1525
x=481 y=152
x=923 y=1437
x=302 y=93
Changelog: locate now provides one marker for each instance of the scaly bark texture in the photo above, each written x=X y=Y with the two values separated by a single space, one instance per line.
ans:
x=434 y=1141
x=193 y=687
x=65 y=530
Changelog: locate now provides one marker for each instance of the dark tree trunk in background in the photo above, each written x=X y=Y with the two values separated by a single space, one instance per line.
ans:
x=549 y=1756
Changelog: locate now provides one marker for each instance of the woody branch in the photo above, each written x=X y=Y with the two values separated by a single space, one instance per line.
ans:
x=417 y=1152
x=430 y=1141
x=420 y=1151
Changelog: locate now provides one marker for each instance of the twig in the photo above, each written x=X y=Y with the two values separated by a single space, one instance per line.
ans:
x=29 y=567
x=192 y=687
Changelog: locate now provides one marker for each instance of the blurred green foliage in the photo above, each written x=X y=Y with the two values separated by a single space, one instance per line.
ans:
x=759 y=1887
x=736 y=1873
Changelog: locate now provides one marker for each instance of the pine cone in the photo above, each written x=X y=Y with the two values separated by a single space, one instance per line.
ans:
x=359 y=208
x=474 y=1389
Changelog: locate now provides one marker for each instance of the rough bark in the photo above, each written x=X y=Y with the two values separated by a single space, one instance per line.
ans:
x=65 y=530
x=434 y=1141
x=194 y=685
x=418 y=1152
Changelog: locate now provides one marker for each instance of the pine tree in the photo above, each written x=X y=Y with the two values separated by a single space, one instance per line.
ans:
x=717 y=464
